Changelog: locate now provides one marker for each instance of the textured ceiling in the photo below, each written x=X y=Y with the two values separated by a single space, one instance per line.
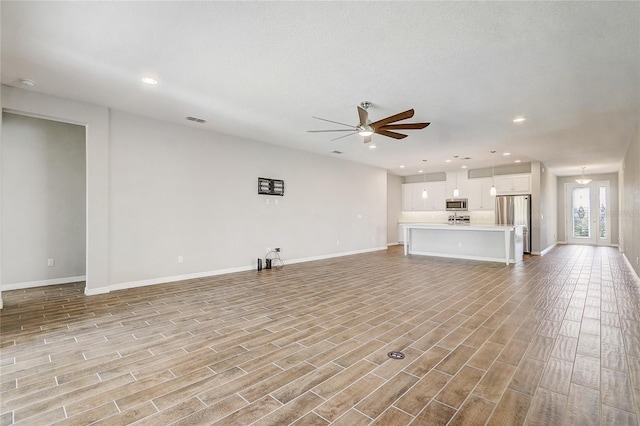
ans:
x=261 y=70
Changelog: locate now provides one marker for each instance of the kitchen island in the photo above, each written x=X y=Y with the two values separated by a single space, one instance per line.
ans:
x=493 y=243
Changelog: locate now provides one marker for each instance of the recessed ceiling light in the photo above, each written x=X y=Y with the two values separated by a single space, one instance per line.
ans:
x=519 y=119
x=372 y=147
x=447 y=161
x=420 y=171
x=464 y=167
x=27 y=82
x=402 y=166
x=149 y=80
x=506 y=154
x=517 y=161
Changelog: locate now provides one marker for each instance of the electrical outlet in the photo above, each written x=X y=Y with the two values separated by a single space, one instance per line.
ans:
x=180 y=259
x=50 y=262
x=637 y=260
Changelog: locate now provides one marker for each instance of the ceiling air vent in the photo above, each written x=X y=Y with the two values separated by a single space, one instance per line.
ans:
x=336 y=152
x=196 y=120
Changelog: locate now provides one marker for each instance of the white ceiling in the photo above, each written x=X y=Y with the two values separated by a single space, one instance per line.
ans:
x=261 y=70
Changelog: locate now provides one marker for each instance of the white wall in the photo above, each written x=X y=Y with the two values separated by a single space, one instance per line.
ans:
x=43 y=201
x=613 y=189
x=156 y=191
x=180 y=191
x=96 y=121
x=629 y=215
x=548 y=209
x=394 y=207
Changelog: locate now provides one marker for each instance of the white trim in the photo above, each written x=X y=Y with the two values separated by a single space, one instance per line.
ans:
x=31 y=284
x=548 y=249
x=164 y=280
x=630 y=265
x=329 y=256
x=461 y=256
x=397 y=243
x=95 y=291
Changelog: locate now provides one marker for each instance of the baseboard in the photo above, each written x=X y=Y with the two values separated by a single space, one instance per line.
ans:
x=394 y=244
x=548 y=249
x=31 y=284
x=329 y=256
x=163 y=280
x=630 y=265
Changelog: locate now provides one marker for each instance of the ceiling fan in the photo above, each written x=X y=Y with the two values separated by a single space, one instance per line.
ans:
x=384 y=127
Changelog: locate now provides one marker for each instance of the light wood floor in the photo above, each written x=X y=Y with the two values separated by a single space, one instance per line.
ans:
x=554 y=340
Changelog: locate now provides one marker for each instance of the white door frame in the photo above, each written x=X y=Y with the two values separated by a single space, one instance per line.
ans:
x=594 y=208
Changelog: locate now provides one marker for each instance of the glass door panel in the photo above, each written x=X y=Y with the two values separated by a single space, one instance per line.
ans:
x=588 y=219
x=581 y=213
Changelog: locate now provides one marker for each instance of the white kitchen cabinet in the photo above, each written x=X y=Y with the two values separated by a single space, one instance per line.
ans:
x=437 y=194
x=480 y=197
x=407 y=197
x=457 y=179
x=513 y=184
x=412 y=196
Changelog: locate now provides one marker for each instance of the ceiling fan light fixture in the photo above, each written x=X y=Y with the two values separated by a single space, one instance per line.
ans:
x=365 y=132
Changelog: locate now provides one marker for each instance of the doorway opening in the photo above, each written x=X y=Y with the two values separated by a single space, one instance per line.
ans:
x=587 y=212
x=44 y=201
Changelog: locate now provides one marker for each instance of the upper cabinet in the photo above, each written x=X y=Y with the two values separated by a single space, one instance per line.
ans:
x=412 y=196
x=480 y=197
x=457 y=179
x=513 y=184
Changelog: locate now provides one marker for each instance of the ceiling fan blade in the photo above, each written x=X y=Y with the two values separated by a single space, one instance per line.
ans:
x=397 y=117
x=322 y=131
x=340 y=137
x=364 y=116
x=405 y=126
x=367 y=139
x=335 y=122
x=390 y=134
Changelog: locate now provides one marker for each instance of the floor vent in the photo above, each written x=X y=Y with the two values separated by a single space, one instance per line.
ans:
x=395 y=355
x=196 y=120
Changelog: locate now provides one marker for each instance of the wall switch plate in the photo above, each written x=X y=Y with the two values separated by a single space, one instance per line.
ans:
x=50 y=262
x=180 y=259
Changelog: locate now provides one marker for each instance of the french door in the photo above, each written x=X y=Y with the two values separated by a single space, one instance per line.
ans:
x=588 y=219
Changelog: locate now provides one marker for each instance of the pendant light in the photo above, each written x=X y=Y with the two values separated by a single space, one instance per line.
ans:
x=456 y=193
x=583 y=180
x=424 y=185
x=493 y=190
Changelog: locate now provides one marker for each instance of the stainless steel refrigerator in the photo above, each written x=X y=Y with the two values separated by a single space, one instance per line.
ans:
x=515 y=210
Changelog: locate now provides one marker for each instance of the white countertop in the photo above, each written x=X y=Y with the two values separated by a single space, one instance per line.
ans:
x=459 y=227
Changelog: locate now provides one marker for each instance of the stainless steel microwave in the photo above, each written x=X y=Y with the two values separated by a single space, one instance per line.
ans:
x=456 y=204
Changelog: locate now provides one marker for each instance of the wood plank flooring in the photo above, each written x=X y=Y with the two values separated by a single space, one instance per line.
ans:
x=554 y=340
